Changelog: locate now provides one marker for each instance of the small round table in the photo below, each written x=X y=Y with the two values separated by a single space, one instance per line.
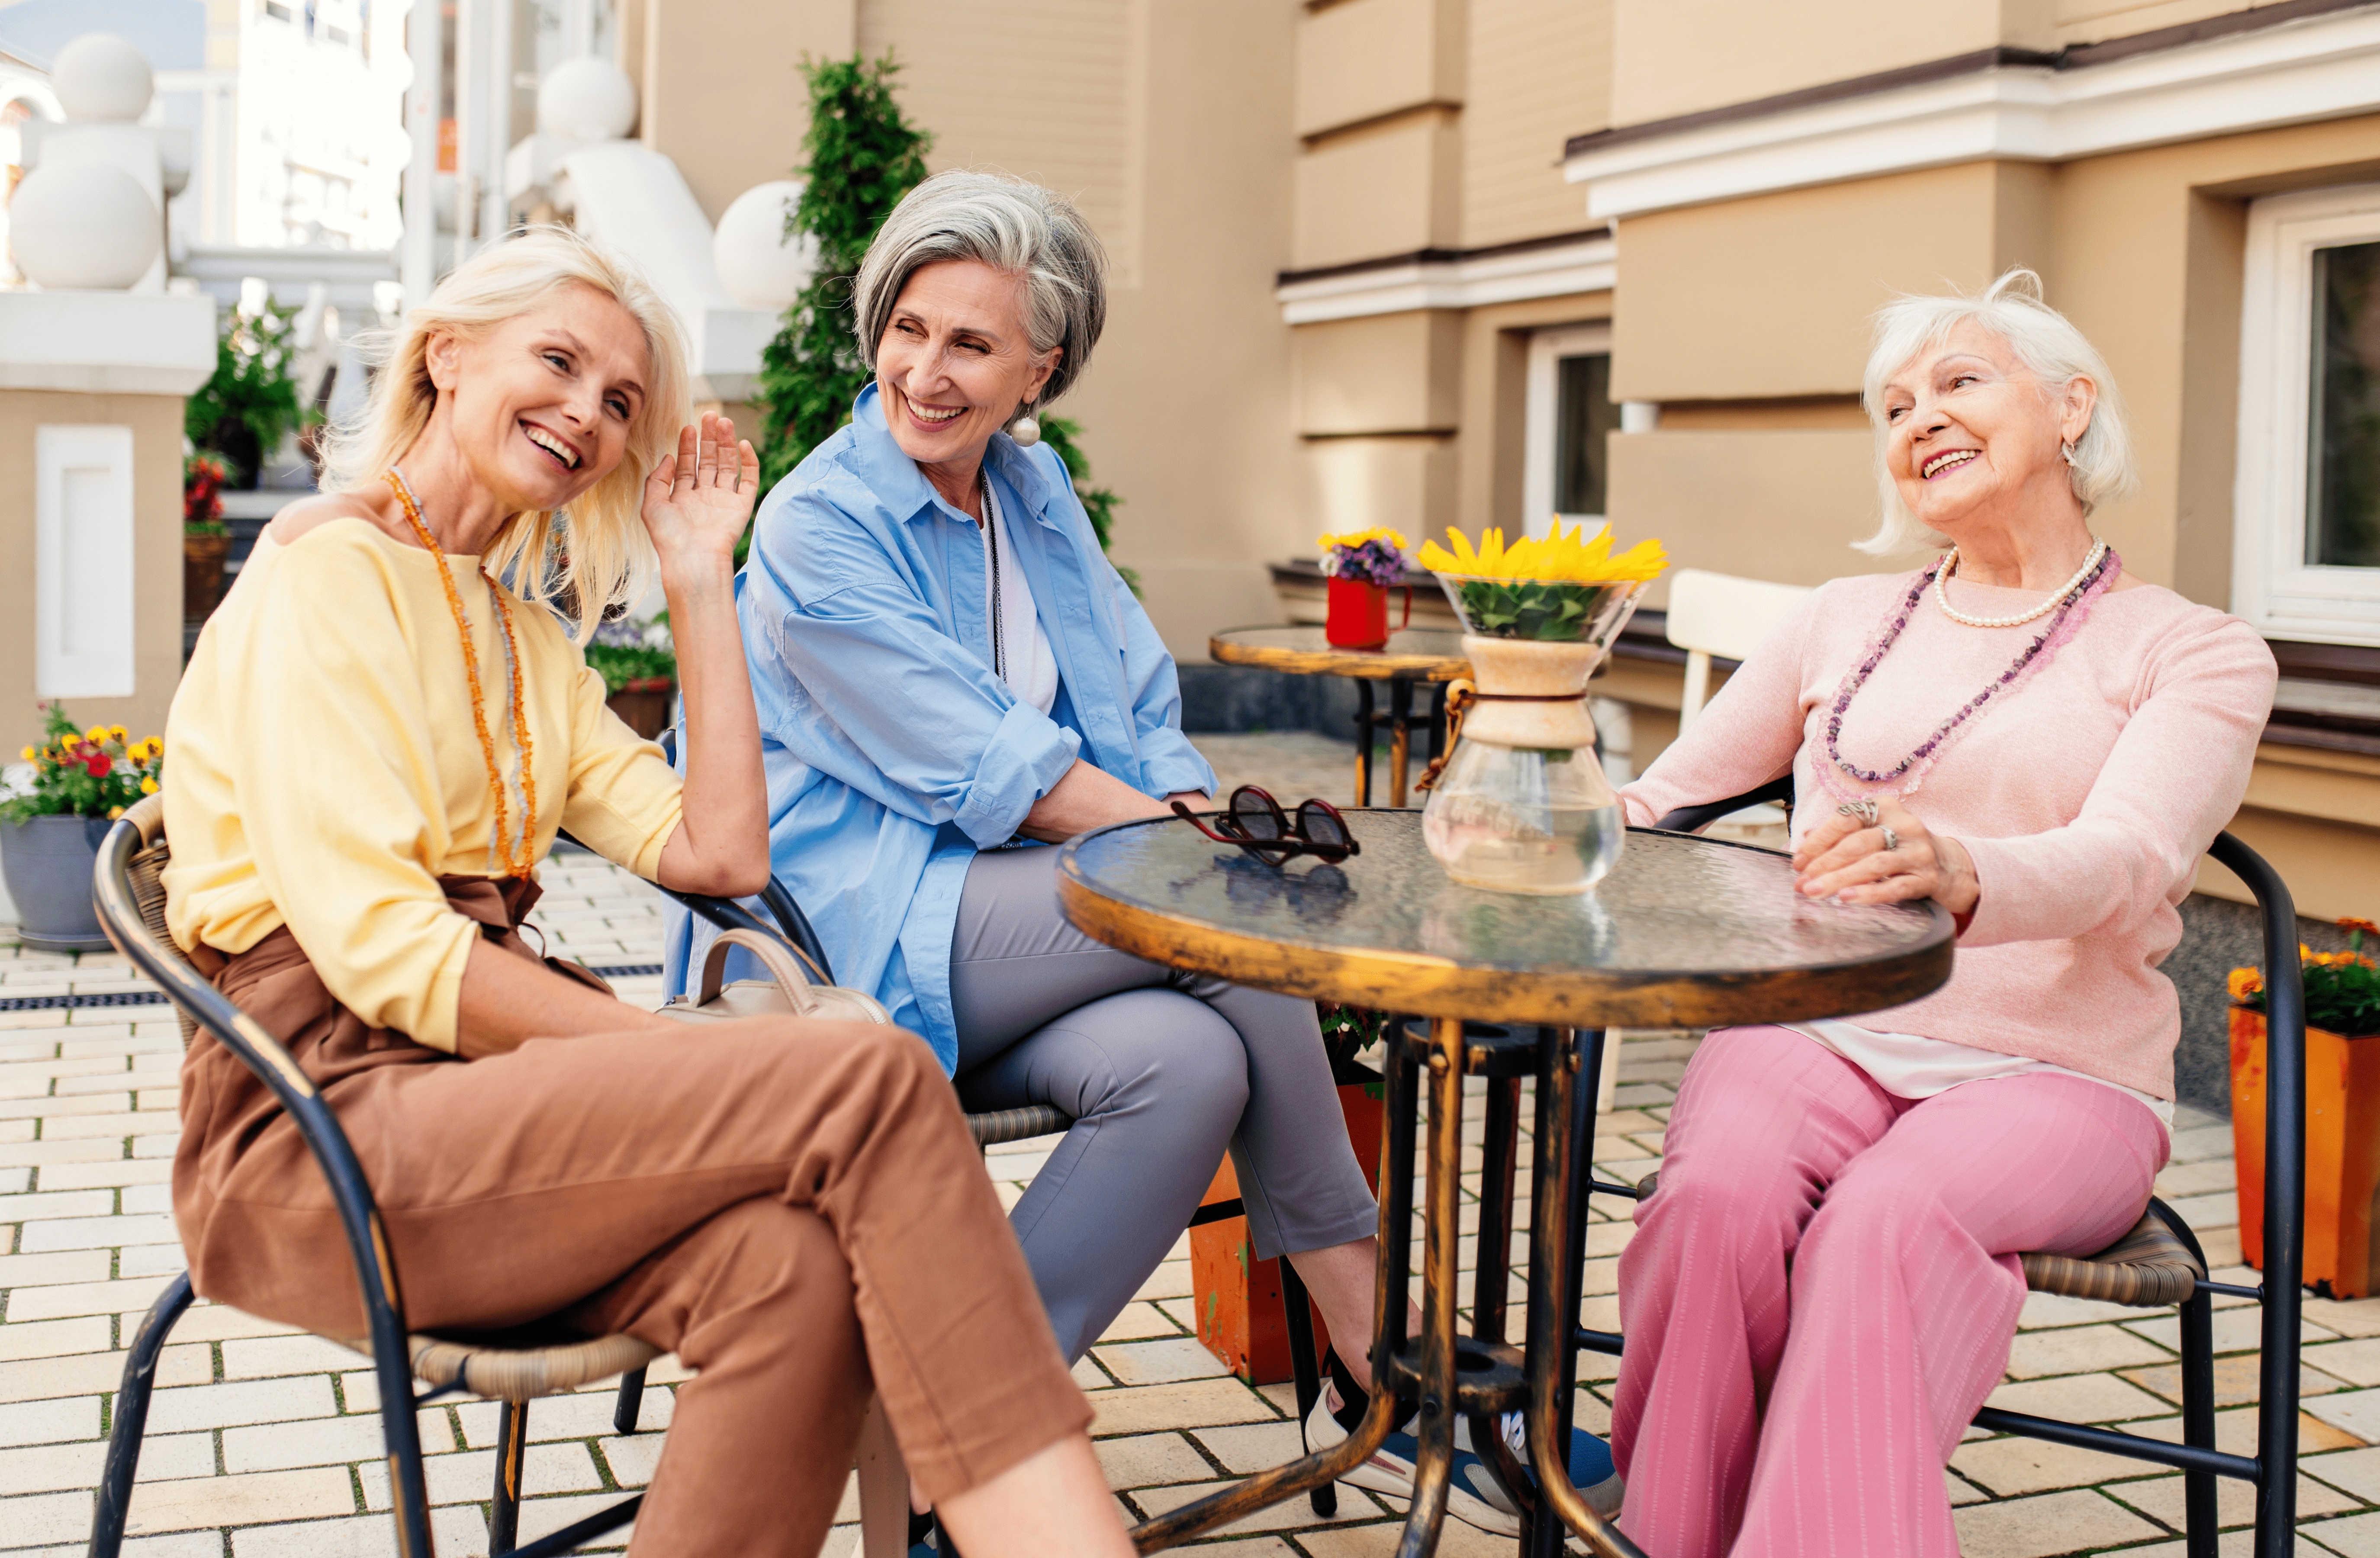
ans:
x=1685 y=932
x=1416 y=654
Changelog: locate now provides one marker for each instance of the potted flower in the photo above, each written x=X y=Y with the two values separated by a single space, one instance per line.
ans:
x=205 y=538
x=638 y=663
x=1522 y=805
x=2342 y=1142
x=63 y=796
x=1363 y=566
x=250 y=403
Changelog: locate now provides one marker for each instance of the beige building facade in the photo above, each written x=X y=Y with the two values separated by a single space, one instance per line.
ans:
x=1432 y=263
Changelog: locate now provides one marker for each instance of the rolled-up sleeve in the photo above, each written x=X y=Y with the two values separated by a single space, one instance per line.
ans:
x=849 y=648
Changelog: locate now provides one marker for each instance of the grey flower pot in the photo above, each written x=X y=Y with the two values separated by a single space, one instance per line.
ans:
x=48 y=862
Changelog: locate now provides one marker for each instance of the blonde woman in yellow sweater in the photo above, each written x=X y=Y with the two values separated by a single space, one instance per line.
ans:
x=379 y=734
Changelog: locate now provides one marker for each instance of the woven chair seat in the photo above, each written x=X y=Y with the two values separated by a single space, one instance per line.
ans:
x=2146 y=1269
x=520 y=1364
x=1017 y=1124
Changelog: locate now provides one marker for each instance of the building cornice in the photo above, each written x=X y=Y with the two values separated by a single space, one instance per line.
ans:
x=2289 y=64
x=1449 y=279
x=106 y=343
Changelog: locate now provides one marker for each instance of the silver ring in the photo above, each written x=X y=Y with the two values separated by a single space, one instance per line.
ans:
x=1865 y=811
x=1891 y=840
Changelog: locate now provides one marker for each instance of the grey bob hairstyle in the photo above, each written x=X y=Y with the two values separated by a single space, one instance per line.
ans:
x=1017 y=228
x=2051 y=350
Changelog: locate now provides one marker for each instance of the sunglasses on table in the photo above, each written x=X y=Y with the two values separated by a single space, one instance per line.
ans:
x=1255 y=821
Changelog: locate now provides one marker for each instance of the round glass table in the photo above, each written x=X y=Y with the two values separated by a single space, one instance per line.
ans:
x=1415 y=655
x=1685 y=933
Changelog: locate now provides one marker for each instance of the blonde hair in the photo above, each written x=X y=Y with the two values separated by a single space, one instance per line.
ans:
x=2051 y=350
x=595 y=554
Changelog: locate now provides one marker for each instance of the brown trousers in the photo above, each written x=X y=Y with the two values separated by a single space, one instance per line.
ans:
x=793 y=1208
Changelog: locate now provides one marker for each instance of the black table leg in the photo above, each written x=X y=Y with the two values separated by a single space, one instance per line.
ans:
x=1364 y=733
x=1557 y=1218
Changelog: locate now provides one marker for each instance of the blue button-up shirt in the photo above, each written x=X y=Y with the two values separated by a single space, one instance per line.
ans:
x=892 y=753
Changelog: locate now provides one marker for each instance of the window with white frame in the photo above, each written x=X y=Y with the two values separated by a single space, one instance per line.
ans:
x=2306 y=538
x=1569 y=419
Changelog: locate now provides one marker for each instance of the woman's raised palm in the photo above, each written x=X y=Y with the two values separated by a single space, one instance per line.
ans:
x=699 y=499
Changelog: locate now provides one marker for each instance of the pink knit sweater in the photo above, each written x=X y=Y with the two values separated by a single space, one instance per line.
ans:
x=2086 y=798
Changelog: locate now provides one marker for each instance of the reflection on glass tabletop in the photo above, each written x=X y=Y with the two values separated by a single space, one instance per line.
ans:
x=1684 y=932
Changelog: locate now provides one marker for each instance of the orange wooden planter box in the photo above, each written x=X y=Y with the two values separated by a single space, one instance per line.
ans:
x=2342 y=1153
x=1240 y=1315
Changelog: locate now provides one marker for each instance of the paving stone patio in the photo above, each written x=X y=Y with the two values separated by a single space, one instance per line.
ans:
x=264 y=1443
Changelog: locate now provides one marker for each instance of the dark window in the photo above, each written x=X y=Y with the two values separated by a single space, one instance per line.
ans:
x=1584 y=419
x=2343 y=483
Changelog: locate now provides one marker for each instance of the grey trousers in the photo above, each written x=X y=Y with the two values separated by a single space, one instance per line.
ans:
x=1161 y=1071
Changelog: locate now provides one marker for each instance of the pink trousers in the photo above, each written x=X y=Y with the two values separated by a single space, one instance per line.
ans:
x=1822 y=1289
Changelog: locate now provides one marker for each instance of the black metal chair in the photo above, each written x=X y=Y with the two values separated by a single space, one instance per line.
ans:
x=2156 y=1264
x=513 y=1367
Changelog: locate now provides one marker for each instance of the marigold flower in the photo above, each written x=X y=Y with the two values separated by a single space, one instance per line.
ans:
x=148 y=787
x=2244 y=982
x=2352 y=923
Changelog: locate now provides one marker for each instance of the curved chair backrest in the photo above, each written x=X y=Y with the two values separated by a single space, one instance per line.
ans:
x=792 y=925
x=138 y=928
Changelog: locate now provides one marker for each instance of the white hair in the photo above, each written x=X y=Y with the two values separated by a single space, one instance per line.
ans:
x=2051 y=350
x=1017 y=228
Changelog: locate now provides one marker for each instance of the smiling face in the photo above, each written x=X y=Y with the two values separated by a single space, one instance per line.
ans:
x=955 y=362
x=1971 y=432
x=540 y=408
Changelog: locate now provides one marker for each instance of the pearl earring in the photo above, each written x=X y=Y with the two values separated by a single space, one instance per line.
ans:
x=2066 y=451
x=1025 y=430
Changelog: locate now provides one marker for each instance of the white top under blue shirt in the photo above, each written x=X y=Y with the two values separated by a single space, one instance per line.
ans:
x=892 y=753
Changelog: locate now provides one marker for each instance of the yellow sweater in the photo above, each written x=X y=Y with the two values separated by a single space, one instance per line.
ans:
x=322 y=771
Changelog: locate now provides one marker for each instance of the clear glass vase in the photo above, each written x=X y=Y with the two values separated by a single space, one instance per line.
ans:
x=1523 y=819
x=1523 y=805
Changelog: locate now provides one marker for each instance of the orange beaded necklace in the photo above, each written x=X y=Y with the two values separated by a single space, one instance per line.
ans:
x=519 y=861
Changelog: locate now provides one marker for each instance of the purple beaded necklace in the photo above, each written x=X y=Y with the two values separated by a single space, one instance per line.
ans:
x=2062 y=627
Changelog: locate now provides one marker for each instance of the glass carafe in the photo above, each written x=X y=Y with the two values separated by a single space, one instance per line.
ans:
x=1523 y=805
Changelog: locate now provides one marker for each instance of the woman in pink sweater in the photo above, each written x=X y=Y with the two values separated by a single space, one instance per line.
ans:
x=2044 y=745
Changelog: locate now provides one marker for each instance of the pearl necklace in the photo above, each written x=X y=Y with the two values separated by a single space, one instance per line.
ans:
x=1951 y=563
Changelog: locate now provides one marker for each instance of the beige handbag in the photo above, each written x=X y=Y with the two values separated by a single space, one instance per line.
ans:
x=787 y=992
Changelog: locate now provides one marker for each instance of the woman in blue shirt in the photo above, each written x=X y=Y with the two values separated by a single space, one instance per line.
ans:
x=948 y=669
x=949 y=673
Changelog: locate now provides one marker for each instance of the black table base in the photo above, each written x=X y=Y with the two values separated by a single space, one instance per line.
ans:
x=1441 y=1375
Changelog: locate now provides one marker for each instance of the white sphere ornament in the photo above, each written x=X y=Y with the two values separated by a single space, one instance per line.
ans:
x=586 y=98
x=761 y=267
x=1026 y=431
x=83 y=227
x=101 y=78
